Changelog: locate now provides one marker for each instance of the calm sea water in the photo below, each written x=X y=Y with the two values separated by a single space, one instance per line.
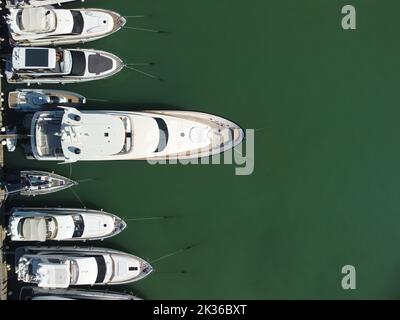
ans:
x=325 y=191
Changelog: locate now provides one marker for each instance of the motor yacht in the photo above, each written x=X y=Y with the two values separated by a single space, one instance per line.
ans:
x=62 y=224
x=32 y=100
x=55 y=65
x=34 y=3
x=68 y=135
x=36 y=293
x=63 y=267
x=46 y=26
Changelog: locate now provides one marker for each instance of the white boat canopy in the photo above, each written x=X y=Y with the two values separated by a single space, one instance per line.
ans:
x=38 y=20
x=35 y=229
x=54 y=275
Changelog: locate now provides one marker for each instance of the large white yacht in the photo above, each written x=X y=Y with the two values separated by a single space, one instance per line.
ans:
x=62 y=224
x=36 y=293
x=46 y=26
x=69 y=135
x=62 y=267
x=35 y=65
x=34 y=3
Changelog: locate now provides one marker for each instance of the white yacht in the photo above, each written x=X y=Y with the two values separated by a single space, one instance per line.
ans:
x=46 y=26
x=55 y=66
x=63 y=267
x=69 y=135
x=62 y=224
x=34 y=3
x=36 y=293
x=28 y=100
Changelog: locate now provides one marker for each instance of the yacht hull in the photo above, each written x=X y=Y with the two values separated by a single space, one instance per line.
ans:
x=34 y=3
x=93 y=217
x=50 y=39
x=25 y=255
x=184 y=135
x=35 y=183
x=17 y=77
x=27 y=100
x=35 y=293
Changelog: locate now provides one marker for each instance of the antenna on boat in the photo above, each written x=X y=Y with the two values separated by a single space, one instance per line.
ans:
x=129 y=66
x=146 y=30
x=173 y=253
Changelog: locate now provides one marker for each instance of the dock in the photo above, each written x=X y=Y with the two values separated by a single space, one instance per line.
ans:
x=3 y=264
x=3 y=268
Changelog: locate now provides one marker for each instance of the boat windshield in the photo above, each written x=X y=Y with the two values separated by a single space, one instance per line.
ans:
x=101 y=269
x=78 y=63
x=78 y=22
x=79 y=226
x=74 y=271
x=164 y=134
x=128 y=144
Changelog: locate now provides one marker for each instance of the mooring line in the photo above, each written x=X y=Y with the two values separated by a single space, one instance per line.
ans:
x=79 y=199
x=172 y=254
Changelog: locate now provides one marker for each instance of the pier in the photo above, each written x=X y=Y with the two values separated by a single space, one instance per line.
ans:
x=3 y=264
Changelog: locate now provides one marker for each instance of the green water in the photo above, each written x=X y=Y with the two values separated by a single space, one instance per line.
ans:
x=325 y=191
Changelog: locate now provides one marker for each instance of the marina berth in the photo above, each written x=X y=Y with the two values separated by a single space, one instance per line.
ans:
x=57 y=66
x=69 y=135
x=34 y=3
x=46 y=26
x=62 y=224
x=31 y=100
x=34 y=183
x=63 y=267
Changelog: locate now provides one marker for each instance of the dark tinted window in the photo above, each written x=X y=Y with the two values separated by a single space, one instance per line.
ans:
x=79 y=226
x=78 y=22
x=164 y=135
x=101 y=269
x=78 y=63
